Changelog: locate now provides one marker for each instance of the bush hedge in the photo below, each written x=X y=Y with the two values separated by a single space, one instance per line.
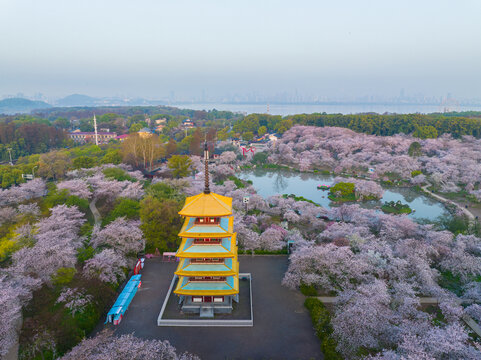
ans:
x=321 y=319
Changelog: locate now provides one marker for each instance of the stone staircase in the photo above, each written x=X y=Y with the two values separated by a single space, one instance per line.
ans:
x=206 y=311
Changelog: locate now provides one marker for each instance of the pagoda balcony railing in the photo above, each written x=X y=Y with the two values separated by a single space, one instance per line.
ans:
x=207 y=279
x=207 y=241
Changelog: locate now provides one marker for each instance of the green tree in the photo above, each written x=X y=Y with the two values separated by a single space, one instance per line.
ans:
x=260 y=157
x=248 y=136
x=425 y=132
x=62 y=123
x=195 y=143
x=262 y=130
x=415 y=149
x=128 y=208
x=223 y=134
x=84 y=162
x=117 y=174
x=113 y=156
x=135 y=128
x=171 y=147
x=108 y=117
x=160 y=224
x=179 y=164
x=163 y=191
x=53 y=165
x=283 y=126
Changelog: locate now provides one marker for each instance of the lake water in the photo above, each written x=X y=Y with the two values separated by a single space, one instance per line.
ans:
x=290 y=109
x=271 y=182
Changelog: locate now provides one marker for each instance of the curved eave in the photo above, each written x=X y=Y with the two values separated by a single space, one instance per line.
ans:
x=179 y=291
x=194 y=255
x=205 y=235
x=206 y=273
x=211 y=204
x=232 y=272
x=184 y=255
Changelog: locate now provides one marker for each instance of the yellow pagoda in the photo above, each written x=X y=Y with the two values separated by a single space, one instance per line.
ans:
x=208 y=271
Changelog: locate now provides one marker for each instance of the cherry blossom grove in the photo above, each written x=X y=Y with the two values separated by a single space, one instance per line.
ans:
x=106 y=346
x=379 y=270
x=449 y=163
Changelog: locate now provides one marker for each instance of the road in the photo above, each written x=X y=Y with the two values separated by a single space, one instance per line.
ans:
x=282 y=326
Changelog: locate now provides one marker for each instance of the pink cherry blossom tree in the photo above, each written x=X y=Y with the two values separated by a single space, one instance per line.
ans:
x=14 y=293
x=227 y=157
x=368 y=307
x=77 y=187
x=55 y=246
x=107 y=265
x=121 y=235
x=273 y=238
x=106 y=346
x=74 y=300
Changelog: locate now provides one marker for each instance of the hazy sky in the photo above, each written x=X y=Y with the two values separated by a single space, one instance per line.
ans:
x=152 y=47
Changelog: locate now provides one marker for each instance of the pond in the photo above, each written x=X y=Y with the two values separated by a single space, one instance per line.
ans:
x=271 y=182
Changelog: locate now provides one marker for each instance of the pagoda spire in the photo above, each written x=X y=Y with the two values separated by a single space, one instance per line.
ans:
x=206 y=177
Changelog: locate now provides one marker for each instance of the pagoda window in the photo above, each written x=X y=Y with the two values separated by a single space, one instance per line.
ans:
x=207 y=220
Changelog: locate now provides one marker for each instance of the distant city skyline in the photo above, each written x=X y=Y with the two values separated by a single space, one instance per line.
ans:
x=307 y=51
x=280 y=98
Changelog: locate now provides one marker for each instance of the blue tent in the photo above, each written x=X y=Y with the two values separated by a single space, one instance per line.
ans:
x=122 y=303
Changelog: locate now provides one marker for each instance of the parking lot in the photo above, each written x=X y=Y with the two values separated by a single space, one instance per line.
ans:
x=282 y=327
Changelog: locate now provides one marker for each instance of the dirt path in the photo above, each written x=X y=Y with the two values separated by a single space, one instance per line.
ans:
x=95 y=211
x=468 y=213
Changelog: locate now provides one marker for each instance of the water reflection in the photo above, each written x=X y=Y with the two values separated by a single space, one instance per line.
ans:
x=270 y=182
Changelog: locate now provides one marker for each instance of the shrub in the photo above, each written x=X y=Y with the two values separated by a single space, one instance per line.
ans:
x=308 y=290
x=83 y=254
x=260 y=157
x=82 y=204
x=415 y=173
x=63 y=276
x=342 y=191
x=321 y=319
x=117 y=174
x=127 y=208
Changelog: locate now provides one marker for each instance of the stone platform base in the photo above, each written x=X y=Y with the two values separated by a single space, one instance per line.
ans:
x=176 y=312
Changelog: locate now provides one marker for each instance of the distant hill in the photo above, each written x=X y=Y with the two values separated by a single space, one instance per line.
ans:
x=77 y=100
x=19 y=105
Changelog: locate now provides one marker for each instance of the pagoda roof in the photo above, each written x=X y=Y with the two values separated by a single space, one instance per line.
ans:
x=228 y=287
x=228 y=268
x=210 y=204
x=190 y=229
x=226 y=249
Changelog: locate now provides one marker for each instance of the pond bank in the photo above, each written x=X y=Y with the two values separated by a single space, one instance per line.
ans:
x=280 y=181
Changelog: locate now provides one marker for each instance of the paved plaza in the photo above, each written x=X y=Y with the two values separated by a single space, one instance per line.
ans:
x=282 y=327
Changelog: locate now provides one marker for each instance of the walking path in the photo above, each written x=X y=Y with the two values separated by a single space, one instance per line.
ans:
x=468 y=213
x=95 y=211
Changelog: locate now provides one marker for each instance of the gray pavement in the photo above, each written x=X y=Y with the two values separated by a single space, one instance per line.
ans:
x=282 y=327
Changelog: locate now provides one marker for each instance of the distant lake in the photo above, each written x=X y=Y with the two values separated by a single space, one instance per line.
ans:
x=271 y=182
x=290 y=109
